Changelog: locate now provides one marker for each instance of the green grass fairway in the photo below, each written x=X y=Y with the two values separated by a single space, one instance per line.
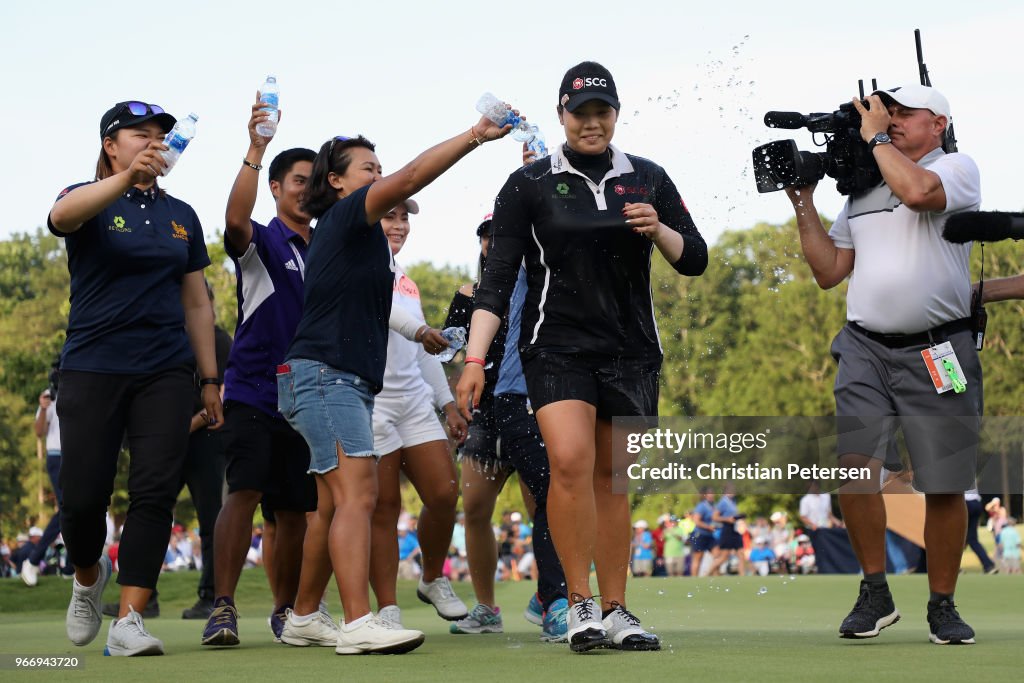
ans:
x=712 y=630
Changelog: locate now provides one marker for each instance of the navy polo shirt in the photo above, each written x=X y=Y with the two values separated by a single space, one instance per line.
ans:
x=347 y=302
x=126 y=266
x=269 y=290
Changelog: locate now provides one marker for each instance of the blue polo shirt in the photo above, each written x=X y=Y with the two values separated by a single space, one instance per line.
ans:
x=707 y=515
x=269 y=290
x=347 y=302
x=727 y=507
x=510 y=376
x=126 y=266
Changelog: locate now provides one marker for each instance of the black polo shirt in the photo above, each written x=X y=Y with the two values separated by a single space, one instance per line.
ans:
x=350 y=274
x=127 y=265
x=588 y=273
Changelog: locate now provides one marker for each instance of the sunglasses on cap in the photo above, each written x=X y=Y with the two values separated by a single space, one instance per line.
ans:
x=141 y=108
x=337 y=138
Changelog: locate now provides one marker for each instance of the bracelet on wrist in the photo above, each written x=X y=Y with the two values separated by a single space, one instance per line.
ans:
x=474 y=359
x=209 y=380
x=473 y=139
x=421 y=333
x=255 y=167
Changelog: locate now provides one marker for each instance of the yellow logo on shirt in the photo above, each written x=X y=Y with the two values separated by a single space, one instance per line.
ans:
x=179 y=231
x=118 y=225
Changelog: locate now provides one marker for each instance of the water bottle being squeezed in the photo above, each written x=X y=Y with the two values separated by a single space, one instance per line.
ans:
x=456 y=338
x=177 y=140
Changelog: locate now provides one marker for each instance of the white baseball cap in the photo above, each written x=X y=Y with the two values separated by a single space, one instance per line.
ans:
x=917 y=96
x=516 y=517
x=640 y=524
x=35 y=531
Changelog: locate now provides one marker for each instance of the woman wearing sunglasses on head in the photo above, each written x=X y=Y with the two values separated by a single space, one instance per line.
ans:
x=140 y=322
x=588 y=221
x=336 y=362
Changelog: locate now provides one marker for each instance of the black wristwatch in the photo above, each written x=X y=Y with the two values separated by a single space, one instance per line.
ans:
x=879 y=139
x=209 y=380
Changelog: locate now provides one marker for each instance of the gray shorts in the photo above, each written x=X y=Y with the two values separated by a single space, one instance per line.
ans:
x=881 y=388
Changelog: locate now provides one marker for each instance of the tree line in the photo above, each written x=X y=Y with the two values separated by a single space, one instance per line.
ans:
x=749 y=337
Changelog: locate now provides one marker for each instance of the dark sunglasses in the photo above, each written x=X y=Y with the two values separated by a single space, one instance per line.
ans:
x=141 y=108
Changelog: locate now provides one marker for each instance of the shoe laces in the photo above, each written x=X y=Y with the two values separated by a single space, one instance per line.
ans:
x=222 y=616
x=626 y=614
x=83 y=607
x=867 y=599
x=444 y=587
x=944 y=613
x=481 y=612
x=584 y=607
x=135 y=622
x=326 y=620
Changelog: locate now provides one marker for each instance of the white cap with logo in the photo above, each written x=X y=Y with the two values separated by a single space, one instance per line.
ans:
x=917 y=96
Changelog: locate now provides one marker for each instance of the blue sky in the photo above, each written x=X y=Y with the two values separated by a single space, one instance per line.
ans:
x=694 y=80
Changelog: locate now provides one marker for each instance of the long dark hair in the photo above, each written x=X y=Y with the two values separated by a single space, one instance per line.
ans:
x=334 y=157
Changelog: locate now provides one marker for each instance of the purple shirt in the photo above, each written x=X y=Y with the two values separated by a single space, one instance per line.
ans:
x=269 y=289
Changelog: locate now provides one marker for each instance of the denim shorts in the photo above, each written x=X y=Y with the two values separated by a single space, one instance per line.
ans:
x=327 y=407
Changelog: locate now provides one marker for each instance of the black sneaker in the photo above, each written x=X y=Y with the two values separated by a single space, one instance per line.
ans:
x=201 y=610
x=873 y=611
x=946 y=627
x=150 y=611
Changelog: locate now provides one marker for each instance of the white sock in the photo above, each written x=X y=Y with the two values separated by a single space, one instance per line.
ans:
x=302 y=620
x=356 y=623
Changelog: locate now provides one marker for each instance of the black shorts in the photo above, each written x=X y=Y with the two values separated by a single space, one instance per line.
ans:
x=730 y=539
x=617 y=387
x=482 y=443
x=265 y=454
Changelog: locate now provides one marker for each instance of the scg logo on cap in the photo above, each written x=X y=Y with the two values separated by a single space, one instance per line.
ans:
x=588 y=82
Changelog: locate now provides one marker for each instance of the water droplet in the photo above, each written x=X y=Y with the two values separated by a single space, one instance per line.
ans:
x=792 y=578
x=661 y=592
x=779 y=186
x=689 y=595
x=762 y=590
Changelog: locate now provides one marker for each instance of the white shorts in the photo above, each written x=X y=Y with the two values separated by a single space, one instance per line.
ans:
x=405 y=422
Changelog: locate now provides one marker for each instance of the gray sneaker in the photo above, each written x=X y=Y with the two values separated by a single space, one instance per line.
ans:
x=481 y=619
x=392 y=616
x=320 y=630
x=128 y=637
x=439 y=593
x=625 y=633
x=585 y=630
x=84 y=617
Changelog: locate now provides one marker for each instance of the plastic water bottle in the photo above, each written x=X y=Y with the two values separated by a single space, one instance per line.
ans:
x=536 y=143
x=494 y=109
x=269 y=93
x=456 y=338
x=177 y=140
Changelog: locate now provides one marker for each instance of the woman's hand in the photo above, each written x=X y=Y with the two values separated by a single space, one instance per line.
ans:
x=486 y=130
x=469 y=389
x=643 y=219
x=213 y=406
x=432 y=341
x=148 y=165
x=457 y=426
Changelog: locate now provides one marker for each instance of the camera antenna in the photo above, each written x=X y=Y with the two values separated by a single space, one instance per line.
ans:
x=949 y=141
x=860 y=86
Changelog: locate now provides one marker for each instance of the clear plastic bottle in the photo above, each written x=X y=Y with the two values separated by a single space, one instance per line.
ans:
x=494 y=109
x=269 y=96
x=456 y=338
x=177 y=140
x=536 y=143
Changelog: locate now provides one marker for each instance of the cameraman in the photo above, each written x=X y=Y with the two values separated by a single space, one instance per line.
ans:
x=909 y=292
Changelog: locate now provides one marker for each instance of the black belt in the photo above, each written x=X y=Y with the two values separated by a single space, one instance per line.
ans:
x=896 y=341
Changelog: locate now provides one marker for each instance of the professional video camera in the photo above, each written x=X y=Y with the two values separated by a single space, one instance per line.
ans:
x=847 y=158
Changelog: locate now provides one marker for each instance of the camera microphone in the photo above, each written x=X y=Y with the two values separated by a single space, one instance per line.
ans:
x=984 y=226
x=790 y=120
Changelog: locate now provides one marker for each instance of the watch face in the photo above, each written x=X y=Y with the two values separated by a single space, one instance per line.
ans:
x=882 y=138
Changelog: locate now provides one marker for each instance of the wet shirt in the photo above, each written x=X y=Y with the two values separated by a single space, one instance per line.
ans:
x=269 y=278
x=347 y=300
x=127 y=264
x=588 y=273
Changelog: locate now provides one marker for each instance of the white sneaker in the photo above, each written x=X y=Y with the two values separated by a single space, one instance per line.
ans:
x=84 y=616
x=29 y=573
x=439 y=593
x=128 y=637
x=320 y=630
x=585 y=630
x=375 y=635
x=391 y=615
